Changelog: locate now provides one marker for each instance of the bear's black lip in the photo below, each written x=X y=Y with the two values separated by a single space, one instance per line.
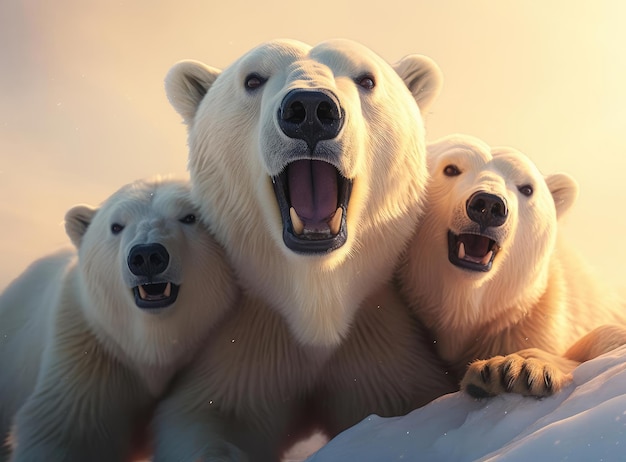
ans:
x=311 y=244
x=152 y=295
x=469 y=262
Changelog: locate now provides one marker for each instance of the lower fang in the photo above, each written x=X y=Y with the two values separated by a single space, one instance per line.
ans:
x=461 y=251
x=142 y=293
x=335 y=222
x=298 y=226
x=168 y=290
x=486 y=258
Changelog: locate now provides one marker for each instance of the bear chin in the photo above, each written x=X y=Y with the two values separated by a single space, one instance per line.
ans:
x=155 y=295
x=473 y=252
x=325 y=229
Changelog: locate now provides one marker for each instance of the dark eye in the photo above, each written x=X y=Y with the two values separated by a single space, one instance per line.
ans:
x=526 y=190
x=366 y=81
x=254 y=81
x=116 y=228
x=188 y=219
x=451 y=170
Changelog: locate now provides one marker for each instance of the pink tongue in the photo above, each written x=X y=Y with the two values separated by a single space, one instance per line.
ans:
x=313 y=190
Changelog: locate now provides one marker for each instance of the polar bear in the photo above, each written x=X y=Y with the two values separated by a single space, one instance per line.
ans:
x=308 y=163
x=90 y=339
x=488 y=273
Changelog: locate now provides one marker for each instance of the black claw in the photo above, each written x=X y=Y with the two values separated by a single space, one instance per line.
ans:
x=529 y=379
x=477 y=392
x=506 y=379
x=547 y=379
x=485 y=373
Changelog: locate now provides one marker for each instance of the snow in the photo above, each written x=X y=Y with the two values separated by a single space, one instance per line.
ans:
x=585 y=422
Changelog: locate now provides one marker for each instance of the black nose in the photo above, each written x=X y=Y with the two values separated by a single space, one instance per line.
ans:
x=486 y=209
x=310 y=115
x=148 y=259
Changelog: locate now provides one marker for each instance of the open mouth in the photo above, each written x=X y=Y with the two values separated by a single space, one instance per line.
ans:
x=313 y=199
x=474 y=252
x=155 y=295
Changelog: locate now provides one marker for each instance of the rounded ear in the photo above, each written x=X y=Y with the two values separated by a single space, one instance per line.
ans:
x=564 y=190
x=186 y=84
x=77 y=220
x=423 y=78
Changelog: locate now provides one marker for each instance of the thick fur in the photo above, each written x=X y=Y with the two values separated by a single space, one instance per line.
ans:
x=311 y=325
x=539 y=296
x=88 y=363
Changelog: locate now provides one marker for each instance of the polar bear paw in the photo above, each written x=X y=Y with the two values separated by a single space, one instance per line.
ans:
x=516 y=373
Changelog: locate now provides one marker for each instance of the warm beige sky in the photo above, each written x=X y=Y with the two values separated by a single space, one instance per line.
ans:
x=83 y=111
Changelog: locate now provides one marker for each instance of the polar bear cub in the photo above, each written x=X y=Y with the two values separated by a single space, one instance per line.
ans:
x=488 y=273
x=89 y=339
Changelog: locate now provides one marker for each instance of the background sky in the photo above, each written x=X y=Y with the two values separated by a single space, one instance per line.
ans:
x=83 y=110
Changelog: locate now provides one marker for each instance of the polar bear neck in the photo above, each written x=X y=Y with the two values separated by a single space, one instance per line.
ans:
x=318 y=296
x=153 y=349
x=318 y=303
x=501 y=312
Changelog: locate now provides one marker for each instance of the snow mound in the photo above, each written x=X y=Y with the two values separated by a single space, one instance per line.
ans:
x=586 y=421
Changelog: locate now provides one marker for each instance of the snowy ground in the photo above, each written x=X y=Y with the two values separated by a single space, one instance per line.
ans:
x=585 y=422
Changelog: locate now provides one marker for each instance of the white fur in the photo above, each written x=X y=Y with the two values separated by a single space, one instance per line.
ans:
x=300 y=338
x=539 y=293
x=71 y=330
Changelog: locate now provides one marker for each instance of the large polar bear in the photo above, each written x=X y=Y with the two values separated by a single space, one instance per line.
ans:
x=488 y=273
x=309 y=165
x=99 y=333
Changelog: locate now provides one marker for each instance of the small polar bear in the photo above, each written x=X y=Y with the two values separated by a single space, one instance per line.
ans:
x=308 y=163
x=489 y=275
x=90 y=339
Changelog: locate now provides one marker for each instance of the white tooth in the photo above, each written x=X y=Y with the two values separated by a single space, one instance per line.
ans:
x=461 y=251
x=142 y=293
x=168 y=289
x=335 y=222
x=487 y=257
x=298 y=226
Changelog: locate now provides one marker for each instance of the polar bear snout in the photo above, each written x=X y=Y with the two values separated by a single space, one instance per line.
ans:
x=474 y=247
x=310 y=115
x=149 y=262
x=481 y=227
x=488 y=210
x=311 y=192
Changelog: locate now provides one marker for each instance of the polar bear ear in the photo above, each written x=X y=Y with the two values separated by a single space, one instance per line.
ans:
x=564 y=190
x=186 y=84
x=77 y=220
x=423 y=78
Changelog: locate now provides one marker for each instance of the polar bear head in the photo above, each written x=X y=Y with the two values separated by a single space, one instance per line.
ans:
x=152 y=277
x=309 y=164
x=487 y=238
